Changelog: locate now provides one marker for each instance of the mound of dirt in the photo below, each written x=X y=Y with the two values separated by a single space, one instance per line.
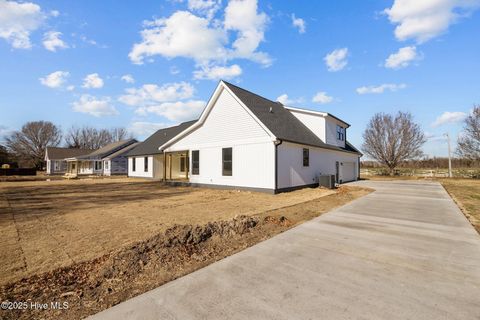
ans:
x=91 y=286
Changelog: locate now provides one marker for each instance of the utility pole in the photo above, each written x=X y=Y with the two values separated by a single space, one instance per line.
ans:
x=449 y=156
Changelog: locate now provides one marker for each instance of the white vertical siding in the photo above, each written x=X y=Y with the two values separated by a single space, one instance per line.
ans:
x=252 y=165
x=291 y=171
x=331 y=132
x=158 y=166
x=139 y=167
x=230 y=125
x=227 y=122
x=316 y=123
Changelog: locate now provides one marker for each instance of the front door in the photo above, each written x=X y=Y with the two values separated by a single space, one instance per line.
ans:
x=337 y=171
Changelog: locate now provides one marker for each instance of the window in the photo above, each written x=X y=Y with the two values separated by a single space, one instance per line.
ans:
x=105 y=165
x=196 y=162
x=227 y=161
x=56 y=165
x=134 y=164
x=145 y=164
x=306 y=157
x=340 y=133
x=98 y=165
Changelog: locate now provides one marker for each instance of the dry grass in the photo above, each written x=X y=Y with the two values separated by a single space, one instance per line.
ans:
x=466 y=193
x=45 y=225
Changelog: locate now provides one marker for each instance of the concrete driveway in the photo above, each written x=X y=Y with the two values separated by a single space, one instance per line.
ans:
x=403 y=252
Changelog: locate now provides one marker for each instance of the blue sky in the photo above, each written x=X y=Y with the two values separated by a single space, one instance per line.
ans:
x=148 y=64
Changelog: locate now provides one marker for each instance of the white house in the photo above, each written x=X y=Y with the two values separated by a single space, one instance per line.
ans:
x=55 y=158
x=245 y=141
x=146 y=160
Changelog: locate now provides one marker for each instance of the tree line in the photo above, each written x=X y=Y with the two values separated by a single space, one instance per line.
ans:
x=396 y=140
x=27 y=146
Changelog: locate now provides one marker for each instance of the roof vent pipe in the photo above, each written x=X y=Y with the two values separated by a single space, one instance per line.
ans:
x=271 y=110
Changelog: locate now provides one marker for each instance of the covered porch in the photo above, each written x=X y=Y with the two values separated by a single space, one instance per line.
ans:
x=176 y=168
x=76 y=167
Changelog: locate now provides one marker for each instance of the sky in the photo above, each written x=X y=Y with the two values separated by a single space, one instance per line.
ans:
x=145 y=65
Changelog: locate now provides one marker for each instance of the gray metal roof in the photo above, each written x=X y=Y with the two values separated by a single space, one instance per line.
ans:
x=280 y=121
x=152 y=143
x=108 y=149
x=56 y=153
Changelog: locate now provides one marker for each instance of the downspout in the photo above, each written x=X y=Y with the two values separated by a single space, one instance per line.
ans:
x=276 y=143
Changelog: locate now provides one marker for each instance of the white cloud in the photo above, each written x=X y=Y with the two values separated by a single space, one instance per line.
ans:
x=92 y=81
x=128 y=78
x=426 y=19
x=205 y=7
x=299 y=23
x=175 y=111
x=54 y=13
x=18 y=20
x=55 y=79
x=449 y=117
x=242 y=16
x=150 y=94
x=141 y=128
x=205 y=40
x=217 y=72
x=52 y=41
x=283 y=99
x=322 y=98
x=4 y=132
x=167 y=100
x=181 y=35
x=97 y=107
x=71 y=88
x=337 y=59
x=381 y=88
x=402 y=58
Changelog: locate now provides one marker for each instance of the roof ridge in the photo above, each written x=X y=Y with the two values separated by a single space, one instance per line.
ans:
x=250 y=92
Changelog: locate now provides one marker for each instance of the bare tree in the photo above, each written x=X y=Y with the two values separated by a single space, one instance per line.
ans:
x=92 y=138
x=29 y=144
x=4 y=156
x=120 y=133
x=391 y=140
x=469 y=142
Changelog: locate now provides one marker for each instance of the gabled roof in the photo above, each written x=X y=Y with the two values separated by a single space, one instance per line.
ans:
x=56 y=153
x=279 y=120
x=152 y=143
x=107 y=150
x=122 y=152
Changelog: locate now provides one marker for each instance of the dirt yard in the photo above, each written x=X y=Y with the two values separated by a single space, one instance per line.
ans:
x=95 y=243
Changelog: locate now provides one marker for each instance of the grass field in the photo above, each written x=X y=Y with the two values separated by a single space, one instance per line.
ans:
x=49 y=224
x=466 y=193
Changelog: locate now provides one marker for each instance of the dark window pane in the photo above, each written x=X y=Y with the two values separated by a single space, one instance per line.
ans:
x=227 y=161
x=134 y=164
x=306 y=157
x=145 y=164
x=196 y=162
